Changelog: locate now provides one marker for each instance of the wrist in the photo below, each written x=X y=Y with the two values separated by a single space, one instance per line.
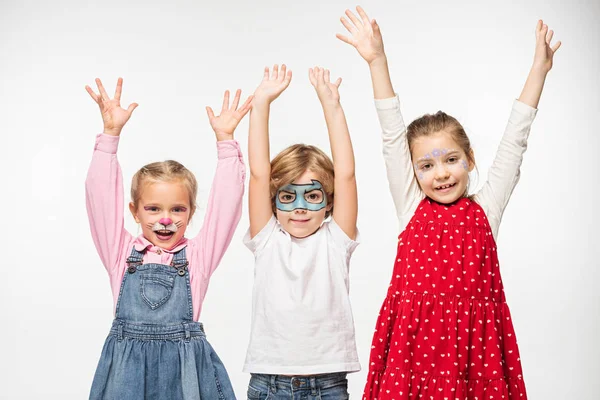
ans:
x=378 y=62
x=112 y=132
x=539 y=69
x=222 y=136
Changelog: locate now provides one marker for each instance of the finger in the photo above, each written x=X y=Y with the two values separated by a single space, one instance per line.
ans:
x=236 y=99
x=288 y=78
x=119 y=89
x=132 y=107
x=211 y=114
x=375 y=27
x=345 y=39
x=556 y=46
x=338 y=82
x=225 y=106
x=266 y=74
x=353 y=18
x=282 y=73
x=311 y=77
x=91 y=93
x=320 y=75
x=103 y=94
x=326 y=76
x=275 y=72
x=538 y=26
x=363 y=15
x=348 y=25
x=549 y=37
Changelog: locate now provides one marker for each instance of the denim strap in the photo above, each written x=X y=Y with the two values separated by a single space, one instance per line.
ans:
x=273 y=385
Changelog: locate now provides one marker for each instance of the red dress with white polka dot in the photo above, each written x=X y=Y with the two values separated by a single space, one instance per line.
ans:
x=444 y=330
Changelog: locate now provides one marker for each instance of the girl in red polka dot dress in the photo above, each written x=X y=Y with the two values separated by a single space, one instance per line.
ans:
x=444 y=330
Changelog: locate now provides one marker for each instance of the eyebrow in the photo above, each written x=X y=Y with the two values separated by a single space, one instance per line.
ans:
x=428 y=156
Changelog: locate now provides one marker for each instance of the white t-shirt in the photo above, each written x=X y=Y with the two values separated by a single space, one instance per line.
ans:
x=301 y=315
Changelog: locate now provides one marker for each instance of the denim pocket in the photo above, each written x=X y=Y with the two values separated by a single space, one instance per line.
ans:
x=156 y=288
x=254 y=394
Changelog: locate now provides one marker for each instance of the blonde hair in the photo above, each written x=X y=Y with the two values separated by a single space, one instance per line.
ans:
x=164 y=171
x=430 y=124
x=291 y=163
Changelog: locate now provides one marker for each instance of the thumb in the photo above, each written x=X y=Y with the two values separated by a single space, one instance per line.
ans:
x=132 y=107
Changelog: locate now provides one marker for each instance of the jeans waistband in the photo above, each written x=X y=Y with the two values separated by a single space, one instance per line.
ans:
x=313 y=382
x=184 y=330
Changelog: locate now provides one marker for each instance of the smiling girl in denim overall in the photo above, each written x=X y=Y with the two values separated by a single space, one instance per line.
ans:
x=444 y=330
x=302 y=337
x=156 y=349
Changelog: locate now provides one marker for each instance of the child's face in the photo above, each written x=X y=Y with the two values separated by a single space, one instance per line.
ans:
x=164 y=212
x=441 y=167
x=301 y=222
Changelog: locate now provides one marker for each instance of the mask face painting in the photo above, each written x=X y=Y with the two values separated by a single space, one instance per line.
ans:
x=307 y=196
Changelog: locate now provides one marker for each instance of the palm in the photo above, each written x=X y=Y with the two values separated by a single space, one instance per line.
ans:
x=273 y=84
x=224 y=125
x=327 y=91
x=544 y=51
x=114 y=116
x=365 y=35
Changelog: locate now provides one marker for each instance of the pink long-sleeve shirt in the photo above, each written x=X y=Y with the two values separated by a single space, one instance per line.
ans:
x=105 y=207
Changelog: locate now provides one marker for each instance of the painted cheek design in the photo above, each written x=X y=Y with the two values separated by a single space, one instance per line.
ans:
x=465 y=165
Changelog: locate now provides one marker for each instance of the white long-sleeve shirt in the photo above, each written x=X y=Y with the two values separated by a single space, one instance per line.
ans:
x=502 y=176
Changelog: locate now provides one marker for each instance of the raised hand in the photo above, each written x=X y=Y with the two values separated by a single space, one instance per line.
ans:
x=544 y=52
x=225 y=123
x=113 y=115
x=365 y=35
x=272 y=85
x=327 y=92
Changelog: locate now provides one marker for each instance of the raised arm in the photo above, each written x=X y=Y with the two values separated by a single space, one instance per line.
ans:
x=365 y=37
x=224 y=207
x=272 y=85
x=104 y=182
x=505 y=170
x=345 y=207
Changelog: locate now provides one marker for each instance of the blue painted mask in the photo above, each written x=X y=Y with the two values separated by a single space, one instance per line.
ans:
x=307 y=196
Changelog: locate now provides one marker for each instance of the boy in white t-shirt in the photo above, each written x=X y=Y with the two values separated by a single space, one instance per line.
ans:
x=302 y=337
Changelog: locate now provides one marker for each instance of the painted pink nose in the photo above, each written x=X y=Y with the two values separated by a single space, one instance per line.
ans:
x=165 y=221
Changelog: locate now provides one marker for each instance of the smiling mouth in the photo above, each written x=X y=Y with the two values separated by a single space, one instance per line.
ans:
x=447 y=186
x=164 y=234
x=300 y=220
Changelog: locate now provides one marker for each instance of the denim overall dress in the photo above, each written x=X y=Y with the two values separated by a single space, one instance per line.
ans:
x=154 y=349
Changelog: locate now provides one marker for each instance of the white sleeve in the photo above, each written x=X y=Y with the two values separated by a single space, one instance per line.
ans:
x=341 y=239
x=404 y=187
x=505 y=170
x=259 y=241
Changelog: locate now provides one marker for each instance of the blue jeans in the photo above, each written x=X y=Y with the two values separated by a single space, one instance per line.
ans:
x=332 y=386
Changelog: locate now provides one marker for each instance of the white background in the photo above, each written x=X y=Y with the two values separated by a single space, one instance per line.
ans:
x=469 y=59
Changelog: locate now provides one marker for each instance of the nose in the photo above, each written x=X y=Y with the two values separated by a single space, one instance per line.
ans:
x=166 y=221
x=441 y=173
x=300 y=211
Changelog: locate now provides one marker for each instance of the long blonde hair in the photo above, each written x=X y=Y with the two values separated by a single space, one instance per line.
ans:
x=291 y=163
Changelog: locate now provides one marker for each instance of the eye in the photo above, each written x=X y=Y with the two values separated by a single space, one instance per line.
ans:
x=286 y=197
x=426 y=166
x=452 y=159
x=179 y=209
x=151 y=209
x=314 y=196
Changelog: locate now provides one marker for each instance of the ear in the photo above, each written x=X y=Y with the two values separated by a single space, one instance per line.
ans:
x=134 y=212
x=329 y=207
x=471 y=164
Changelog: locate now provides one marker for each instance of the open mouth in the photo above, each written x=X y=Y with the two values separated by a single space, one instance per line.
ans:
x=445 y=188
x=164 y=234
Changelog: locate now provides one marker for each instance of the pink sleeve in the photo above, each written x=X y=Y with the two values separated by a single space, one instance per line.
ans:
x=224 y=208
x=104 y=202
